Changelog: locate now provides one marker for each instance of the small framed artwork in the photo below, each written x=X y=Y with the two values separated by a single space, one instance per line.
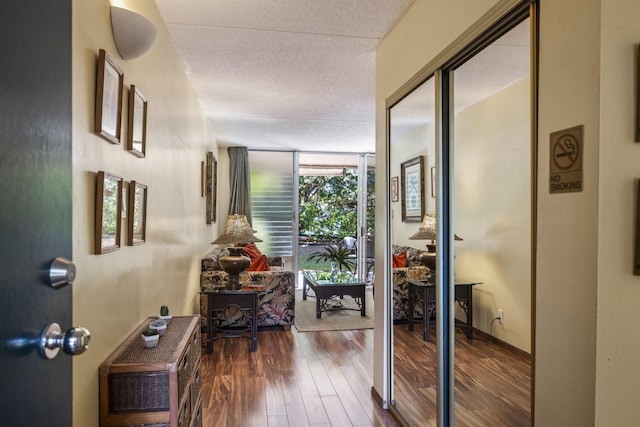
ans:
x=108 y=213
x=433 y=182
x=110 y=84
x=211 y=187
x=412 y=189
x=137 y=213
x=394 y=189
x=638 y=96
x=203 y=182
x=137 y=125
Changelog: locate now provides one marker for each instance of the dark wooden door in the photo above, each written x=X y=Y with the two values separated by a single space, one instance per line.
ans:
x=35 y=208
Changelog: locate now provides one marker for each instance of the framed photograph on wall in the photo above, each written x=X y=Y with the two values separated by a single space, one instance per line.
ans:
x=137 y=229
x=137 y=125
x=211 y=187
x=110 y=83
x=108 y=213
x=433 y=181
x=394 y=189
x=412 y=189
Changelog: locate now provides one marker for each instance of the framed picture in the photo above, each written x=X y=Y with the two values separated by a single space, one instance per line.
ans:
x=109 y=87
x=203 y=181
x=108 y=213
x=137 y=128
x=394 y=189
x=412 y=189
x=211 y=187
x=433 y=182
x=137 y=213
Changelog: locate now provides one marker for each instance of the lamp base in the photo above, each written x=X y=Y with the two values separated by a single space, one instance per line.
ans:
x=234 y=264
x=428 y=259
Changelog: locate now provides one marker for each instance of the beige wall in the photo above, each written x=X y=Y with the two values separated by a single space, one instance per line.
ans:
x=617 y=373
x=114 y=292
x=493 y=211
x=567 y=273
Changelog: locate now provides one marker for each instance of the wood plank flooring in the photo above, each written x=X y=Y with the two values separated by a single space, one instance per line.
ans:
x=492 y=381
x=325 y=378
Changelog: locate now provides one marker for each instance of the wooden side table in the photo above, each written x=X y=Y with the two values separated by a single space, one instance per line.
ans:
x=244 y=301
x=463 y=295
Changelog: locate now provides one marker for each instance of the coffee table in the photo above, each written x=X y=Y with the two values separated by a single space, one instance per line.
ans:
x=326 y=285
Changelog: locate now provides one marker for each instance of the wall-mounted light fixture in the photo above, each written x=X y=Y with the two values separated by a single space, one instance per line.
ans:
x=134 y=34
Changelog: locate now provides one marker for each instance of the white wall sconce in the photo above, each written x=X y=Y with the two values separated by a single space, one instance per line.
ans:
x=134 y=34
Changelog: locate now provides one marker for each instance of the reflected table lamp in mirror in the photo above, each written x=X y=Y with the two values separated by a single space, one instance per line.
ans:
x=427 y=231
x=238 y=232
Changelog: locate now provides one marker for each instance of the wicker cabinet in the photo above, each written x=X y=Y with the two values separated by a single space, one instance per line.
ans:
x=154 y=387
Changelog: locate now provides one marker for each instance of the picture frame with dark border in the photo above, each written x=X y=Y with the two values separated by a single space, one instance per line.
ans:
x=433 y=182
x=109 y=88
x=137 y=123
x=211 y=187
x=137 y=225
x=108 y=226
x=394 y=189
x=412 y=189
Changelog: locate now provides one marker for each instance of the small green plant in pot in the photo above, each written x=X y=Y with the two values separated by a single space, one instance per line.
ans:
x=159 y=325
x=164 y=314
x=150 y=337
x=340 y=255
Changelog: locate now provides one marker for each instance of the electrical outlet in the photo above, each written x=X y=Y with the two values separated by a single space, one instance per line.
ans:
x=500 y=316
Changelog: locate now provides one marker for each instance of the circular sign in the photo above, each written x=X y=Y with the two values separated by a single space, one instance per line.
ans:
x=566 y=152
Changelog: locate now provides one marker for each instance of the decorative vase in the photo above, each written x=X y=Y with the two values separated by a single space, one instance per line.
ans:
x=234 y=264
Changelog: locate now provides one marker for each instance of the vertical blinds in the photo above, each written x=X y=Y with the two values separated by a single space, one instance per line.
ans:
x=272 y=201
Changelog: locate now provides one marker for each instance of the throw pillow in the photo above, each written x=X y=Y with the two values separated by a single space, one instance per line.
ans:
x=252 y=251
x=258 y=260
x=400 y=260
x=259 y=264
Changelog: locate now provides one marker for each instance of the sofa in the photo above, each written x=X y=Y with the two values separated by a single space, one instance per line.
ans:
x=276 y=287
x=413 y=270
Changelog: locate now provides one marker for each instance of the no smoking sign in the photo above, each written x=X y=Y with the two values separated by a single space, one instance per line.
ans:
x=565 y=160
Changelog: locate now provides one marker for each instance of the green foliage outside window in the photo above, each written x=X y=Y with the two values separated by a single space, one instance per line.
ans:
x=328 y=205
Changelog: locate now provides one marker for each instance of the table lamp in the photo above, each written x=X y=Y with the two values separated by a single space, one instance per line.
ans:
x=427 y=231
x=236 y=231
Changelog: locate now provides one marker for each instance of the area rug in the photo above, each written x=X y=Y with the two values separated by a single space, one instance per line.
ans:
x=335 y=320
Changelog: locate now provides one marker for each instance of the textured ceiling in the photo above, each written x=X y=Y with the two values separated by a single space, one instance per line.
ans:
x=284 y=74
x=300 y=74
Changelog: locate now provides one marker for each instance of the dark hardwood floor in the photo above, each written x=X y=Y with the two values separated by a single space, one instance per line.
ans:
x=325 y=378
x=492 y=381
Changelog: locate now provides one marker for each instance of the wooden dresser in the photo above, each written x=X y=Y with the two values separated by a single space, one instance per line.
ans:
x=154 y=387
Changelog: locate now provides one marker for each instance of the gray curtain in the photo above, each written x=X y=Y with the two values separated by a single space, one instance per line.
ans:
x=240 y=202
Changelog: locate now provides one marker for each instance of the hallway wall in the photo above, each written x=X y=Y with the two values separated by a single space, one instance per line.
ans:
x=114 y=292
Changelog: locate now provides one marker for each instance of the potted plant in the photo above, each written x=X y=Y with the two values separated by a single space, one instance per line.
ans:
x=340 y=255
x=150 y=337
x=164 y=314
x=159 y=325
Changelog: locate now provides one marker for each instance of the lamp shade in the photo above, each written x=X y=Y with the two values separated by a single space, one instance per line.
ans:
x=427 y=230
x=236 y=230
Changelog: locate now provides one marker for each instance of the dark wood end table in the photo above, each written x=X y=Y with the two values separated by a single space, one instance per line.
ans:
x=246 y=302
x=427 y=293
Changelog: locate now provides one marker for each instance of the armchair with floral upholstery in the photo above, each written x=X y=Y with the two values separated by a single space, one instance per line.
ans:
x=276 y=287
x=406 y=266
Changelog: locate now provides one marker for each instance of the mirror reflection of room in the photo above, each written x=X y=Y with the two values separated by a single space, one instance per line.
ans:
x=492 y=226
